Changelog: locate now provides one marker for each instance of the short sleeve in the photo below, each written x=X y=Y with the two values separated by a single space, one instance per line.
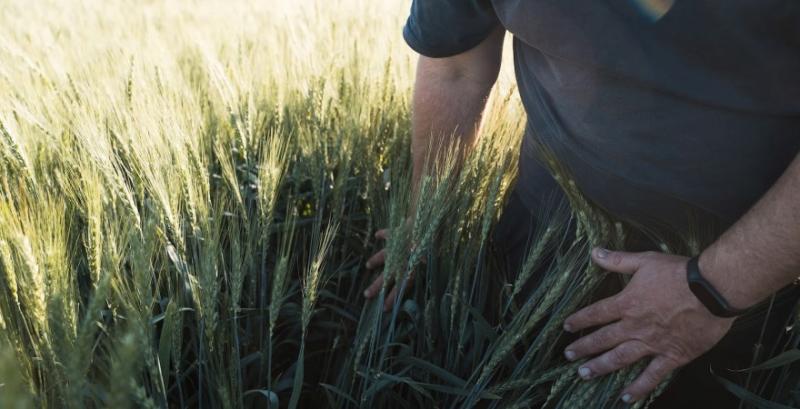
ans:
x=442 y=28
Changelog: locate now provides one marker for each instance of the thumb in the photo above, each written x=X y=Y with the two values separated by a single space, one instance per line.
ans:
x=616 y=261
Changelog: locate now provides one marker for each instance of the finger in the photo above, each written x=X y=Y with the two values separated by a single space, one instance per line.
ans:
x=658 y=370
x=599 y=341
x=377 y=259
x=396 y=293
x=389 y=301
x=620 y=357
x=602 y=312
x=618 y=261
x=382 y=234
x=375 y=287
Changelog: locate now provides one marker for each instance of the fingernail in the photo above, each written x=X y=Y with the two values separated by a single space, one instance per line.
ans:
x=570 y=355
x=585 y=372
x=367 y=293
x=627 y=398
x=601 y=252
x=567 y=327
x=369 y=265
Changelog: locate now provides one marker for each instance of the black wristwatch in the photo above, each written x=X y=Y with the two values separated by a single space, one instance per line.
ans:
x=707 y=294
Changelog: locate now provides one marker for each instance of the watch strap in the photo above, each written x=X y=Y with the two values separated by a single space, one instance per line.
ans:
x=707 y=294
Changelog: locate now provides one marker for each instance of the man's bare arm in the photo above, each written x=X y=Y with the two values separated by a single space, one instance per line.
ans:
x=760 y=253
x=657 y=316
x=449 y=98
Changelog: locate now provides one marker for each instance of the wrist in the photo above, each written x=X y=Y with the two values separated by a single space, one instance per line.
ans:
x=707 y=294
x=725 y=278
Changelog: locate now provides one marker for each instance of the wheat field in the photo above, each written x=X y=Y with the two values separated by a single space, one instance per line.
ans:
x=189 y=192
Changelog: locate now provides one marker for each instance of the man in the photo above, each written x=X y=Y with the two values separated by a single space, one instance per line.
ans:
x=660 y=109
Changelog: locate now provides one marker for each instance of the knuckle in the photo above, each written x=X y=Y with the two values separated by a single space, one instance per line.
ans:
x=581 y=346
x=616 y=306
x=628 y=312
x=670 y=363
x=657 y=372
x=642 y=348
x=598 y=338
x=617 y=357
x=630 y=308
x=650 y=379
x=613 y=334
x=575 y=320
x=616 y=258
x=585 y=316
x=629 y=316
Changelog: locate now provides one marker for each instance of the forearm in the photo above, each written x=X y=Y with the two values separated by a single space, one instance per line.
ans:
x=446 y=113
x=760 y=253
x=449 y=98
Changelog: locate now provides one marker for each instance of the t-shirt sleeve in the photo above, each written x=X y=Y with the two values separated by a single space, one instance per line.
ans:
x=442 y=28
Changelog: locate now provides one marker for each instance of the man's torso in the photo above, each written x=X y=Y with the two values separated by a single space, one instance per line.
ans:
x=697 y=109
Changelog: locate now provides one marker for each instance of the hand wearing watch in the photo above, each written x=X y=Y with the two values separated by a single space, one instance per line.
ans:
x=707 y=294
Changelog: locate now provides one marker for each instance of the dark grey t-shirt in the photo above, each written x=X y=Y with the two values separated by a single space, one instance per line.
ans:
x=655 y=111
